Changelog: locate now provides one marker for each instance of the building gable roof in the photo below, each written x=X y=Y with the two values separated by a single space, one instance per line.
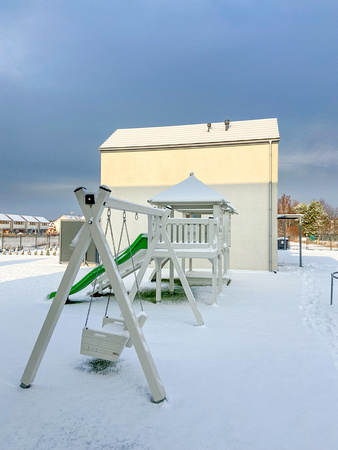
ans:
x=192 y=135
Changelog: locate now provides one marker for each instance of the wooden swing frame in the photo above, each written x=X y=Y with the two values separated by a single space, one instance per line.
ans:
x=92 y=206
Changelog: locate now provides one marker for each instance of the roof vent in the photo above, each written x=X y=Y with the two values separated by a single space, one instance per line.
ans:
x=227 y=124
x=191 y=174
x=209 y=126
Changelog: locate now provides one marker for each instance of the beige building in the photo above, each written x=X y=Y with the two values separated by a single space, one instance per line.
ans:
x=237 y=159
x=57 y=222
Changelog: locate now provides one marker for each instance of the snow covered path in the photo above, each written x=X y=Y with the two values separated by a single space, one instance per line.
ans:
x=261 y=374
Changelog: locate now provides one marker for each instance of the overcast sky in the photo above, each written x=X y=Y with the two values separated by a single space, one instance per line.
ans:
x=71 y=72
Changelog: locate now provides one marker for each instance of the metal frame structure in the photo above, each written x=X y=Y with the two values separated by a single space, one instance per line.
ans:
x=296 y=217
x=333 y=275
x=92 y=205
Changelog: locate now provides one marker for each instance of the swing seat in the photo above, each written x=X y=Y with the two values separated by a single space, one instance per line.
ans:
x=141 y=318
x=102 y=344
x=109 y=342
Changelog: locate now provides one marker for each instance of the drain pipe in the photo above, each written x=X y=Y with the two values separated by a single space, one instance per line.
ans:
x=270 y=205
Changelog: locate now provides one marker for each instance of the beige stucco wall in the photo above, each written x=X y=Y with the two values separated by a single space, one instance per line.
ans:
x=212 y=165
x=240 y=173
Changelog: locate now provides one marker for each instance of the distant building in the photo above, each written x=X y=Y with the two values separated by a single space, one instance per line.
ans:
x=43 y=224
x=5 y=223
x=32 y=224
x=57 y=222
x=18 y=223
x=15 y=223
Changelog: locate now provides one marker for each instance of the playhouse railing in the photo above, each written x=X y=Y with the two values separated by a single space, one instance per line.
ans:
x=187 y=233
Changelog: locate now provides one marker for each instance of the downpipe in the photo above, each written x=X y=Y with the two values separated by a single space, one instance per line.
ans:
x=270 y=205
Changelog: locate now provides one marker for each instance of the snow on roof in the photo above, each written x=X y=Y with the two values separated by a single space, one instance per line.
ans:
x=185 y=135
x=41 y=219
x=190 y=191
x=69 y=217
x=30 y=219
x=16 y=218
x=23 y=218
x=3 y=217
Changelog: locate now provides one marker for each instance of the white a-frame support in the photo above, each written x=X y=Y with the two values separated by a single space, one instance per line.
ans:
x=92 y=206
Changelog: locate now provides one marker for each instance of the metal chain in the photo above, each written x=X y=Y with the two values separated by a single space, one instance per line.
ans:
x=124 y=216
x=92 y=295
x=132 y=260
x=108 y=224
x=108 y=301
x=115 y=254
x=124 y=226
x=111 y=230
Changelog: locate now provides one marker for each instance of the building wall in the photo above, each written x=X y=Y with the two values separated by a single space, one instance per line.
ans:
x=241 y=173
x=5 y=225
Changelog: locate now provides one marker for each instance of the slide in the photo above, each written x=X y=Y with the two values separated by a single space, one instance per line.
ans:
x=140 y=243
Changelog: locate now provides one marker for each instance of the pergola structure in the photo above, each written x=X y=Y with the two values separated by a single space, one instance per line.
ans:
x=297 y=217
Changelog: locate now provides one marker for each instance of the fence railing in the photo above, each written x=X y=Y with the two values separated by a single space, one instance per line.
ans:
x=327 y=241
x=192 y=233
x=28 y=241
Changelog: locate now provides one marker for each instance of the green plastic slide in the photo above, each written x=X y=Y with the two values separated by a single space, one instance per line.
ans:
x=140 y=243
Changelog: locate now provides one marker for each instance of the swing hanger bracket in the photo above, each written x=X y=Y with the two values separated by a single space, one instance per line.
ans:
x=89 y=199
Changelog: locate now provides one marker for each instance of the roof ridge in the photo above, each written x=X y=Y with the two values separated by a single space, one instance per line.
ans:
x=217 y=133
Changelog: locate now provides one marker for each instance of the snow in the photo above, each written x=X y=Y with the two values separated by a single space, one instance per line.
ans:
x=260 y=374
x=189 y=190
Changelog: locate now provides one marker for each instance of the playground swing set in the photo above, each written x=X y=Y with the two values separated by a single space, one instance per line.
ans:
x=109 y=343
x=116 y=333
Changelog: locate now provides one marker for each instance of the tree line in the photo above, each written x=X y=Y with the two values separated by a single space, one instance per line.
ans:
x=319 y=218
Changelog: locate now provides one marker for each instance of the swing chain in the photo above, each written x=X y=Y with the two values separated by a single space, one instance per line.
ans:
x=88 y=312
x=108 y=225
x=132 y=259
x=115 y=252
x=108 y=301
x=92 y=295
x=124 y=226
x=124 y=216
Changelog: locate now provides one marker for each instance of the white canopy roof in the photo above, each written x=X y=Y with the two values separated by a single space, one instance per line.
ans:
x=191 y=195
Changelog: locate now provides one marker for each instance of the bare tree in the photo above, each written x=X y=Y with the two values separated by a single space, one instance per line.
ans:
x=285 y=206
x=332 y=217
x=331 y=212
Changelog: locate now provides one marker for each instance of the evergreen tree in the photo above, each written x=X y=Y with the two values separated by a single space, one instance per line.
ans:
x=301 y=208
x=314 y=219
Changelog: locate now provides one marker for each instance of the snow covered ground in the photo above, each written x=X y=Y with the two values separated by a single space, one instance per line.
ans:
x=261 y=374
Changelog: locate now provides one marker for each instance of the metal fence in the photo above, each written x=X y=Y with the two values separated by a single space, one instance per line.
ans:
x=28 y=241
x=328 y=242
